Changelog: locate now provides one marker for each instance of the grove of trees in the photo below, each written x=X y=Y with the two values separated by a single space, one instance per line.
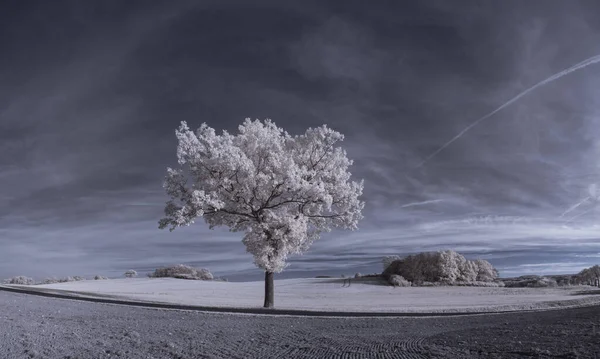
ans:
x=589 y=276
x=443 y=266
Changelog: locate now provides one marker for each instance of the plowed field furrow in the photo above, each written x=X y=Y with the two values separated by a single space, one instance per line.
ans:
x=41 y=327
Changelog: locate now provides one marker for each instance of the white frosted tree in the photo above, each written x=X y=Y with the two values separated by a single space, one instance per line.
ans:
x=282 y=191
x=486 y=272
x=469 y=271
x=450 y=263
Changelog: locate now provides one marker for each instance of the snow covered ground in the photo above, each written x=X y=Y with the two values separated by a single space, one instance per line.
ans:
x=328 y=295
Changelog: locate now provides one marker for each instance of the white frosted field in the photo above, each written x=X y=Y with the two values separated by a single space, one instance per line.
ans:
x=329 y=295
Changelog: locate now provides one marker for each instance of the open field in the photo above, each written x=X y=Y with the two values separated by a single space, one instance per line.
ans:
x=328 y=294
x=39 y=327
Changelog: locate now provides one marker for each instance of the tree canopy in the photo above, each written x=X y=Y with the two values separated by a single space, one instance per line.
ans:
x=282 y=191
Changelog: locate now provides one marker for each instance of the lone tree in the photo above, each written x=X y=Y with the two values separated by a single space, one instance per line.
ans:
x=282 y=191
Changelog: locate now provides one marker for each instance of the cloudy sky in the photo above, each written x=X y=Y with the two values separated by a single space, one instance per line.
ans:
x=91 y=93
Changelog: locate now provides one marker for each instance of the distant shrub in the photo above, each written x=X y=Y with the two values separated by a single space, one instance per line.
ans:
x=19 y=280
x=182 y=271
x=100 y=277
x=398 y=281
x=543 y=283
x=130 y=273
x=357 y=275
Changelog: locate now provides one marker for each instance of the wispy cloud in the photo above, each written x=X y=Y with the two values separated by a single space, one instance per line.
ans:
x=421 y=203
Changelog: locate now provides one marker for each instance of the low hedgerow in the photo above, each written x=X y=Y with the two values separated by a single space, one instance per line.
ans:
x=53 y=280
x=479 y=284
x=19 y=280
x=531 y=282
x=182 y=271
x=100 y=277
x=428 y=284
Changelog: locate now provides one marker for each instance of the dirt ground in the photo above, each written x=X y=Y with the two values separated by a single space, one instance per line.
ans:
x=40 y=327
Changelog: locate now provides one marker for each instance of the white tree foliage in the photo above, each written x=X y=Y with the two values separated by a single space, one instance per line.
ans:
x=469 y=271
x=443 y=266
x=486 y=272
x=282 y=191
x=449 y=264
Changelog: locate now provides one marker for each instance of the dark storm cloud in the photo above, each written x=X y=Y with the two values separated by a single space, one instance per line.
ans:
x=91 y=93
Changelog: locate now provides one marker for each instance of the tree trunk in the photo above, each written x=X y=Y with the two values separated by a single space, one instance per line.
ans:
x=269 y=290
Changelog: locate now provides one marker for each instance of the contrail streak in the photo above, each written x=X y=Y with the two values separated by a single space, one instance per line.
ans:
x=575 y=206
x=421 y=203
x=585 y=63
x=592 y=189
x=581 y=214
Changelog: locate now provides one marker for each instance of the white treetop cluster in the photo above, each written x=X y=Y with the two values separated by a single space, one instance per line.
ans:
x=281 y=190
x=444 y=266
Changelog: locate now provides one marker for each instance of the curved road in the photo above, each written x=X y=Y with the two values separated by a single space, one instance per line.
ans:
x=40 y=327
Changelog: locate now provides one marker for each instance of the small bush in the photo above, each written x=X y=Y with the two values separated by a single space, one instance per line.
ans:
x=543 y=283
x=19 y=280
x=100 y=277
x=182 y=271
x=130 y=274
x=398 y=281
x=50 y=281
x=357 y=275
